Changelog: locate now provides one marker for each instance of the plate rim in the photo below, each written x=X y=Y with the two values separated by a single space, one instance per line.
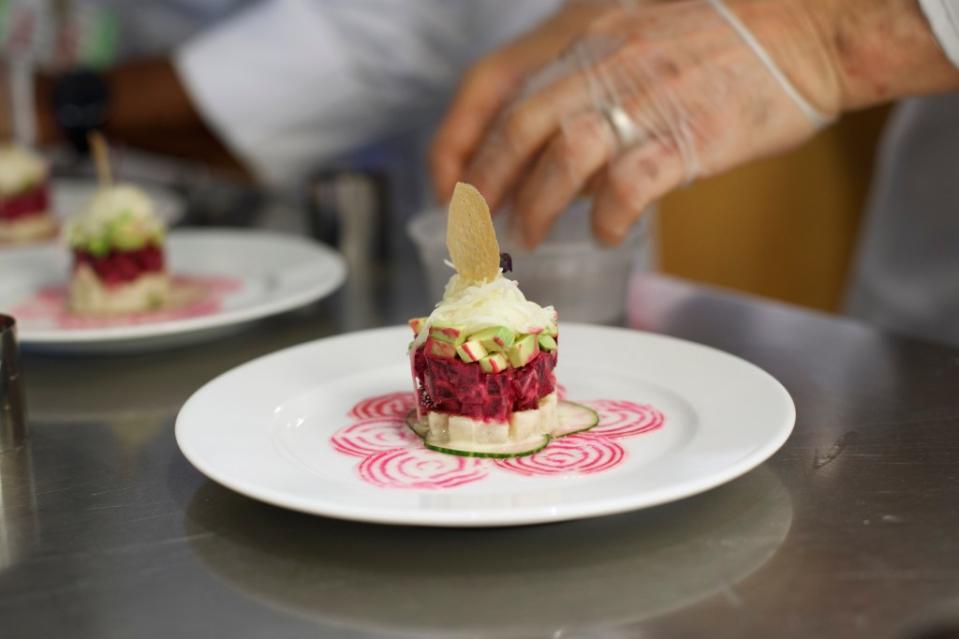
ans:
x=115 y=334
x=527 y=516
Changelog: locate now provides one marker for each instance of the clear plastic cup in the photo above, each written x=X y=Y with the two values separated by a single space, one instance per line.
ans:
x=584 y=280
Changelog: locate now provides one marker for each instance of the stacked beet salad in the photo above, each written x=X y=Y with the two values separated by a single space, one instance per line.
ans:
x=25 y=214
x=118 y=261
x=482 y=366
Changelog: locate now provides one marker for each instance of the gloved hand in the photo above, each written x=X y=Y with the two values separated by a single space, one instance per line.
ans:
x=652 y=97
x=495 y=79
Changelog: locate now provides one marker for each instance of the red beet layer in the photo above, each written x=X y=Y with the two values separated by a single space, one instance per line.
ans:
x=119 y=267
x=449 y=385
x=26 y=203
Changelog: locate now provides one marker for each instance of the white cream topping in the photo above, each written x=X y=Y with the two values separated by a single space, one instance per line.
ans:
x=20 y=169
x=120 y=204
x=113 y=201
x=474 y=307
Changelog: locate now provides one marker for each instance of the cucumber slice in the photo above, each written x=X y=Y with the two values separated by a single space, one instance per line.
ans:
x=418 y=426
x=494 y=451
x=573 y=418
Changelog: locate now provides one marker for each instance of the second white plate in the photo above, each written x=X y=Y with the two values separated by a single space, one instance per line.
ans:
x=247 y=275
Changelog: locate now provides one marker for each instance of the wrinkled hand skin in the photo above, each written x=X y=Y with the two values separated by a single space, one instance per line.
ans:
x=701 y=99
x=883 y=50
x=490 y=83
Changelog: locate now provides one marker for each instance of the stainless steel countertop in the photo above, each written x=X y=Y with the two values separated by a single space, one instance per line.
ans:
x=852 y=530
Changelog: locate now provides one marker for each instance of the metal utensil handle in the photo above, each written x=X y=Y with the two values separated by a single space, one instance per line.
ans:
x=13 y=418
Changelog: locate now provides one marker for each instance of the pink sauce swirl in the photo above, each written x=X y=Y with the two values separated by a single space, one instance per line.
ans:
x=618 y=419
x=389 y=405
x=371 y=436
x=391 y=456
x=49 y=305
x=419 y=468
x=581 y=454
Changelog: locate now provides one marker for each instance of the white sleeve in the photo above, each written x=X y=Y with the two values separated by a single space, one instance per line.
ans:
x=289 y=83
x=943 y=16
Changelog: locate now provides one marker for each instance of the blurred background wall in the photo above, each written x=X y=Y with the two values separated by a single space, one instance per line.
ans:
x=785 y=227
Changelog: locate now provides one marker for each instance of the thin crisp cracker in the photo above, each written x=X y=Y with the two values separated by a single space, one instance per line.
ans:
x=470 y=236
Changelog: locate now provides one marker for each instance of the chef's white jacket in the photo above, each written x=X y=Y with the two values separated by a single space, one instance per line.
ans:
x=290 y=83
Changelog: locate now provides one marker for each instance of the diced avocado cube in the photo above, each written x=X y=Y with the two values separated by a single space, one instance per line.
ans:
x=98 y=246
x=416 y=324
x=126 y=237
x=553 y=329
x=448 y=334
x=494 y=363
x=523 y=351
x=471 y=351
x=496 y=340
x=546 y=342
x=440 y=349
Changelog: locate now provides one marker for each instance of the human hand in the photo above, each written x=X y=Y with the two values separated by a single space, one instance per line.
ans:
x=490 y=83
x=651 y=98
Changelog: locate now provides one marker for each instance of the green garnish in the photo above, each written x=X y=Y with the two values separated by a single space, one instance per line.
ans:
x=124 y=233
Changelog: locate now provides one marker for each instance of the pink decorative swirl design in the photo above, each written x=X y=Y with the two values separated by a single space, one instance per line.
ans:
x=388 y=405
x=195 y=297
x=392 y=456
x=582 y=454
x=618 y=419
x=370 y=436
x=419 y=468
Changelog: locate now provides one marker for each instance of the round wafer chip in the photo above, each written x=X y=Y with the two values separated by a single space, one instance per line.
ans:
x=470 y=236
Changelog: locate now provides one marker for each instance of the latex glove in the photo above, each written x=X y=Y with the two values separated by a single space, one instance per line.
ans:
x=700 y=98
x=490 y=83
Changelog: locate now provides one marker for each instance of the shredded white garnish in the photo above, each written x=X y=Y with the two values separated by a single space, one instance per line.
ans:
x=114 y=205
x=474 y=307
x=20 y=169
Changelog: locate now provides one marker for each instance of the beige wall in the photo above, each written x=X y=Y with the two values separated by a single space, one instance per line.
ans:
x=784 y=227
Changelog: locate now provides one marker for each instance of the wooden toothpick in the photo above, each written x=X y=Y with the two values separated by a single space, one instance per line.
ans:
x=101 y=158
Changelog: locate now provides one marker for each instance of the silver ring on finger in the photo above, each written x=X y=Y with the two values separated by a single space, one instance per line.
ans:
x=624 y=128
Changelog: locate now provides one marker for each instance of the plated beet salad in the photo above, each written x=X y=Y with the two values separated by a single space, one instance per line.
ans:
x=483 y=360
x=118 y=260
x=25 y=212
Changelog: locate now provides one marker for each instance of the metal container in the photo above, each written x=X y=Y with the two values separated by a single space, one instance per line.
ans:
x=13 y=417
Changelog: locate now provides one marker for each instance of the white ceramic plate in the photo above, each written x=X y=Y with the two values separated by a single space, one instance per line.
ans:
x=246 y=275
x=317 y=428
x=72 y=196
